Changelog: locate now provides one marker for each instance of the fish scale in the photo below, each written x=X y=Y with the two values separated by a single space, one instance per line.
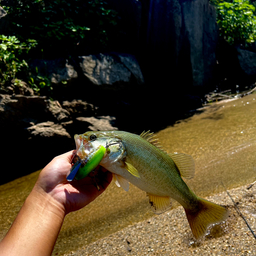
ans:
x=154 y=162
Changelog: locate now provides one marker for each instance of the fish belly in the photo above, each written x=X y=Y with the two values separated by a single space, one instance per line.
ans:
x=155 y=182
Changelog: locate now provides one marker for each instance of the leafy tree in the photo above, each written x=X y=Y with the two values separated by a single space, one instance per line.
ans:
x=62 y=26
x=236 y=20
x=12 y=58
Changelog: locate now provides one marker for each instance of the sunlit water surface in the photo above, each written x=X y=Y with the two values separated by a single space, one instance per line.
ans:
x=222 y=140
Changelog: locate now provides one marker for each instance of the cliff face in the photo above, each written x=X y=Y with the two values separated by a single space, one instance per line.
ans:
x=177 y=38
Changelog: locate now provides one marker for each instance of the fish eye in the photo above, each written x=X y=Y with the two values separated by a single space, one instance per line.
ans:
x=93 y=137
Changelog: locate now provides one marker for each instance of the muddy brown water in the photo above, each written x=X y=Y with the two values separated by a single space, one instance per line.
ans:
x=222 y=140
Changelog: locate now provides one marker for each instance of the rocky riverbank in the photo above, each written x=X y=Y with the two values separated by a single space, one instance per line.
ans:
x=169 y=233
x=35 y=128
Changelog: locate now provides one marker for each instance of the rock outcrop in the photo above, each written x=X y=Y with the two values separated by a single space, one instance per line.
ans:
x=34 y=129
x=56 y=70
x=111 y=72
x=236 y=69
x=247 y=62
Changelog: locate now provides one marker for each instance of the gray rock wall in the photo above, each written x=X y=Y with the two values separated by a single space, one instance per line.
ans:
x=181 y=37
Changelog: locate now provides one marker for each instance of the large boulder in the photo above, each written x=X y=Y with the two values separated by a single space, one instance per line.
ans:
x=247 y=61
x=111 y=82
x=16 y=111
x=78 y=107
x=236 y=67
x=57 y=71
x=111 y=71
x=47 y=130
x=98 y=123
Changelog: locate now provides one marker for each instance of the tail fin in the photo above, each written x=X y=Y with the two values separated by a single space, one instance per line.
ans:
x=206 y=214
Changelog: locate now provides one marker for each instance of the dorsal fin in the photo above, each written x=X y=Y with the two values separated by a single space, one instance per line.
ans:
x=185 y=164
x=151 y=138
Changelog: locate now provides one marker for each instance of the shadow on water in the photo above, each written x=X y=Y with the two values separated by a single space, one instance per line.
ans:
x=221 y=139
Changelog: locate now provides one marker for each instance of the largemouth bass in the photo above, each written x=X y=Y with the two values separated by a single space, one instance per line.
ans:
x=140 y=161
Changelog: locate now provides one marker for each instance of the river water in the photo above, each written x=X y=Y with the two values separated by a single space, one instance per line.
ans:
x=222 y=140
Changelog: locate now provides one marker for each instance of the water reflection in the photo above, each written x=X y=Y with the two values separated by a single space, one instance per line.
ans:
x=222 y=140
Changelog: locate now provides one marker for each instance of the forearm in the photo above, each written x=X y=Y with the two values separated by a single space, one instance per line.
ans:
x=35 y=230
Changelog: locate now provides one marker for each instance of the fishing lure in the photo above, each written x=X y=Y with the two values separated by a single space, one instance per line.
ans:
x=82 y=168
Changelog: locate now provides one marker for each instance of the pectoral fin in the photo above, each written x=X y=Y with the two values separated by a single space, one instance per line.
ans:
x=132 y=170
x=159 y=204
x=185 y=164
x=121 y=182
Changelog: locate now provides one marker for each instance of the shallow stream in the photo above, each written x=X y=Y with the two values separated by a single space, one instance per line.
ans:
x=222 y=140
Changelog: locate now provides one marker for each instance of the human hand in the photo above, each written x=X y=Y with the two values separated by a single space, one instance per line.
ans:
x=75 y=195
x=39 y=220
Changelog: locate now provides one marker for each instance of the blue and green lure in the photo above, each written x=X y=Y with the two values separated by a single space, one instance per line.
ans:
x=81 y=170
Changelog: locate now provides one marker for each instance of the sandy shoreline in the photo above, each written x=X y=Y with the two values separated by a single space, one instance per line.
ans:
x=169 y=233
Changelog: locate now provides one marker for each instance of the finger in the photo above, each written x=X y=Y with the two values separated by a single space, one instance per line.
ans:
x=68 y=155
x=104 y=177
x=97 y=183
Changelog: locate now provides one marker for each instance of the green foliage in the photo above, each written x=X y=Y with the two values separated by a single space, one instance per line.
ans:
x=59 y=28
x=12 y=61
x=39 y=84
x=62 y=26
x=236 y=20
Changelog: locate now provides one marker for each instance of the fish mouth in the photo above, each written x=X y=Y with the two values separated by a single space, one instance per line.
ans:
x=83 y=149
x=86 y=159
x=79 y=160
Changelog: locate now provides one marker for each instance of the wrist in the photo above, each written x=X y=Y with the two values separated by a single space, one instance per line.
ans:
x=36 y=226
x=46 y=203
